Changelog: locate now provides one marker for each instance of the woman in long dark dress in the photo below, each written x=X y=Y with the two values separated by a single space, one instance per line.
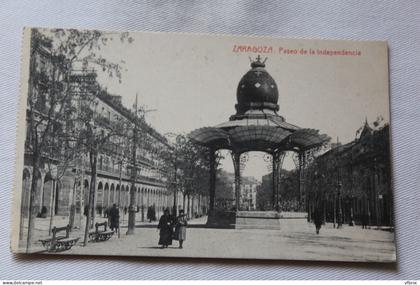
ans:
x=165 y=227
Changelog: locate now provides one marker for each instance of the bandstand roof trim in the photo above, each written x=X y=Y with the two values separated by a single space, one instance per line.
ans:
x=257 y=122
x=210 y=137
x=306 y=139
x=258 y=138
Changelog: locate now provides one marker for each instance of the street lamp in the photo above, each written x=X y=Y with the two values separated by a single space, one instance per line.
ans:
x=351 y=223
x=179 y=139
x=340 y=212
x=339 y=186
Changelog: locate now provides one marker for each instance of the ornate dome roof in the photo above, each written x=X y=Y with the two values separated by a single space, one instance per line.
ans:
x=256 y=126
x=257 y=89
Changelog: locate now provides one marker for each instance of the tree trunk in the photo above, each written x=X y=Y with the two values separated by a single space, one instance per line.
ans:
x=72 y=206
x=52 y=203
x=213 y=173
x=183 y=201
x=188 y=207
x=199 y=204
x=175 y=202
x=119 y=197
x=32 y=198
x=90 y=215
x=131 y=208
x=192 y=208
x=80 y=203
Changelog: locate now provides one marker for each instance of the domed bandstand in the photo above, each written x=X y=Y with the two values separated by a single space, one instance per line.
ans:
x=257 y=126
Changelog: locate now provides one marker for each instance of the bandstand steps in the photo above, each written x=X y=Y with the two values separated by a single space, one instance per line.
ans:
x=258 y=220
x=257 y=227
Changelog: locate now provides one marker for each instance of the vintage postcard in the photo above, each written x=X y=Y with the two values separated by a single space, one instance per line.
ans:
x=176 y=145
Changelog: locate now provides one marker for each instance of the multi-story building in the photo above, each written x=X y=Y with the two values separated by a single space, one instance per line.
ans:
x=248 y=197
x=114 y=172
x=63 y=187
x=225 y=189
x=351 y=182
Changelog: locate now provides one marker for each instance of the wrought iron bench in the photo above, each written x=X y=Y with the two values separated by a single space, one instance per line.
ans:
x=59 y=242
x=98 y=235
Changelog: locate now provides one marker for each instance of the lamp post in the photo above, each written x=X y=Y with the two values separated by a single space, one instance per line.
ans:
x=179 y=139
x=175 y=200
x=351 y=223
x=131 y=208
x=340 y=211
x=119 y=191
x=335 y=210
x=338 y=188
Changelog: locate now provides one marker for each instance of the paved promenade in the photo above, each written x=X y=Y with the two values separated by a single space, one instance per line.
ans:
x=295 y=240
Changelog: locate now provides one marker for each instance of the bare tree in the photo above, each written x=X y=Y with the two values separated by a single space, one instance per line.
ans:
x=53 y=56
x=97 y=134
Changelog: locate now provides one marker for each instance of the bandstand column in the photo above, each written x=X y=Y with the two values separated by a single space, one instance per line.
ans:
x=212 y=178
x=302 y=193
x=236 y=157
x=275 y=177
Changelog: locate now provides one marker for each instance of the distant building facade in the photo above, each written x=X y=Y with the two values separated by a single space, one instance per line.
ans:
x=225 y=191
x=352 y=182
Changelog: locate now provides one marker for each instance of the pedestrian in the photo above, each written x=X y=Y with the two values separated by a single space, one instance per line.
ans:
x=165 y=229
x=153 y=213
x=43 y=213
x=365 y=219
x=106 y=212
x=317 y=216
x=114 y=217
x=149 y=214
x=181 y=228
x=99 y=210
x=86 y=210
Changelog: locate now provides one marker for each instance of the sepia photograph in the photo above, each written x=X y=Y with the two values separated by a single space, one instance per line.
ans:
x=203 y=146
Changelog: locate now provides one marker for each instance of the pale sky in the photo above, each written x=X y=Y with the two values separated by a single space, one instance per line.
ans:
x=191 y=81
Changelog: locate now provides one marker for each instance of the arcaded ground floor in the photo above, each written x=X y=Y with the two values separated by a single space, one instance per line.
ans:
x=296 y=240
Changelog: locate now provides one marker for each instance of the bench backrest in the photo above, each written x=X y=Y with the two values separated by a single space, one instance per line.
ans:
x=97 y=225
x=55 y=230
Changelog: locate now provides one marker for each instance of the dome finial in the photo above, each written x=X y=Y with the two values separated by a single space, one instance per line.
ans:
x=257 y=89
x=257 y=62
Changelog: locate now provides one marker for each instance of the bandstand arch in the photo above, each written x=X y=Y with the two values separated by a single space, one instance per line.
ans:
x=256 y=126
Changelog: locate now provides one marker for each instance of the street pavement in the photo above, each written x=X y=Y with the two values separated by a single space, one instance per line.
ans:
x=295 y=240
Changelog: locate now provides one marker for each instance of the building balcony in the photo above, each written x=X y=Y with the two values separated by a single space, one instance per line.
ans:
x=108 y=171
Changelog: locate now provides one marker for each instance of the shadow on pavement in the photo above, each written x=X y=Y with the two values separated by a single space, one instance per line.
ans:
x=154 y=226
x=157 y=247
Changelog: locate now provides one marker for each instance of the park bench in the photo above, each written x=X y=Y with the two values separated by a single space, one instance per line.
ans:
x=59 y=242
x=98 y=235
